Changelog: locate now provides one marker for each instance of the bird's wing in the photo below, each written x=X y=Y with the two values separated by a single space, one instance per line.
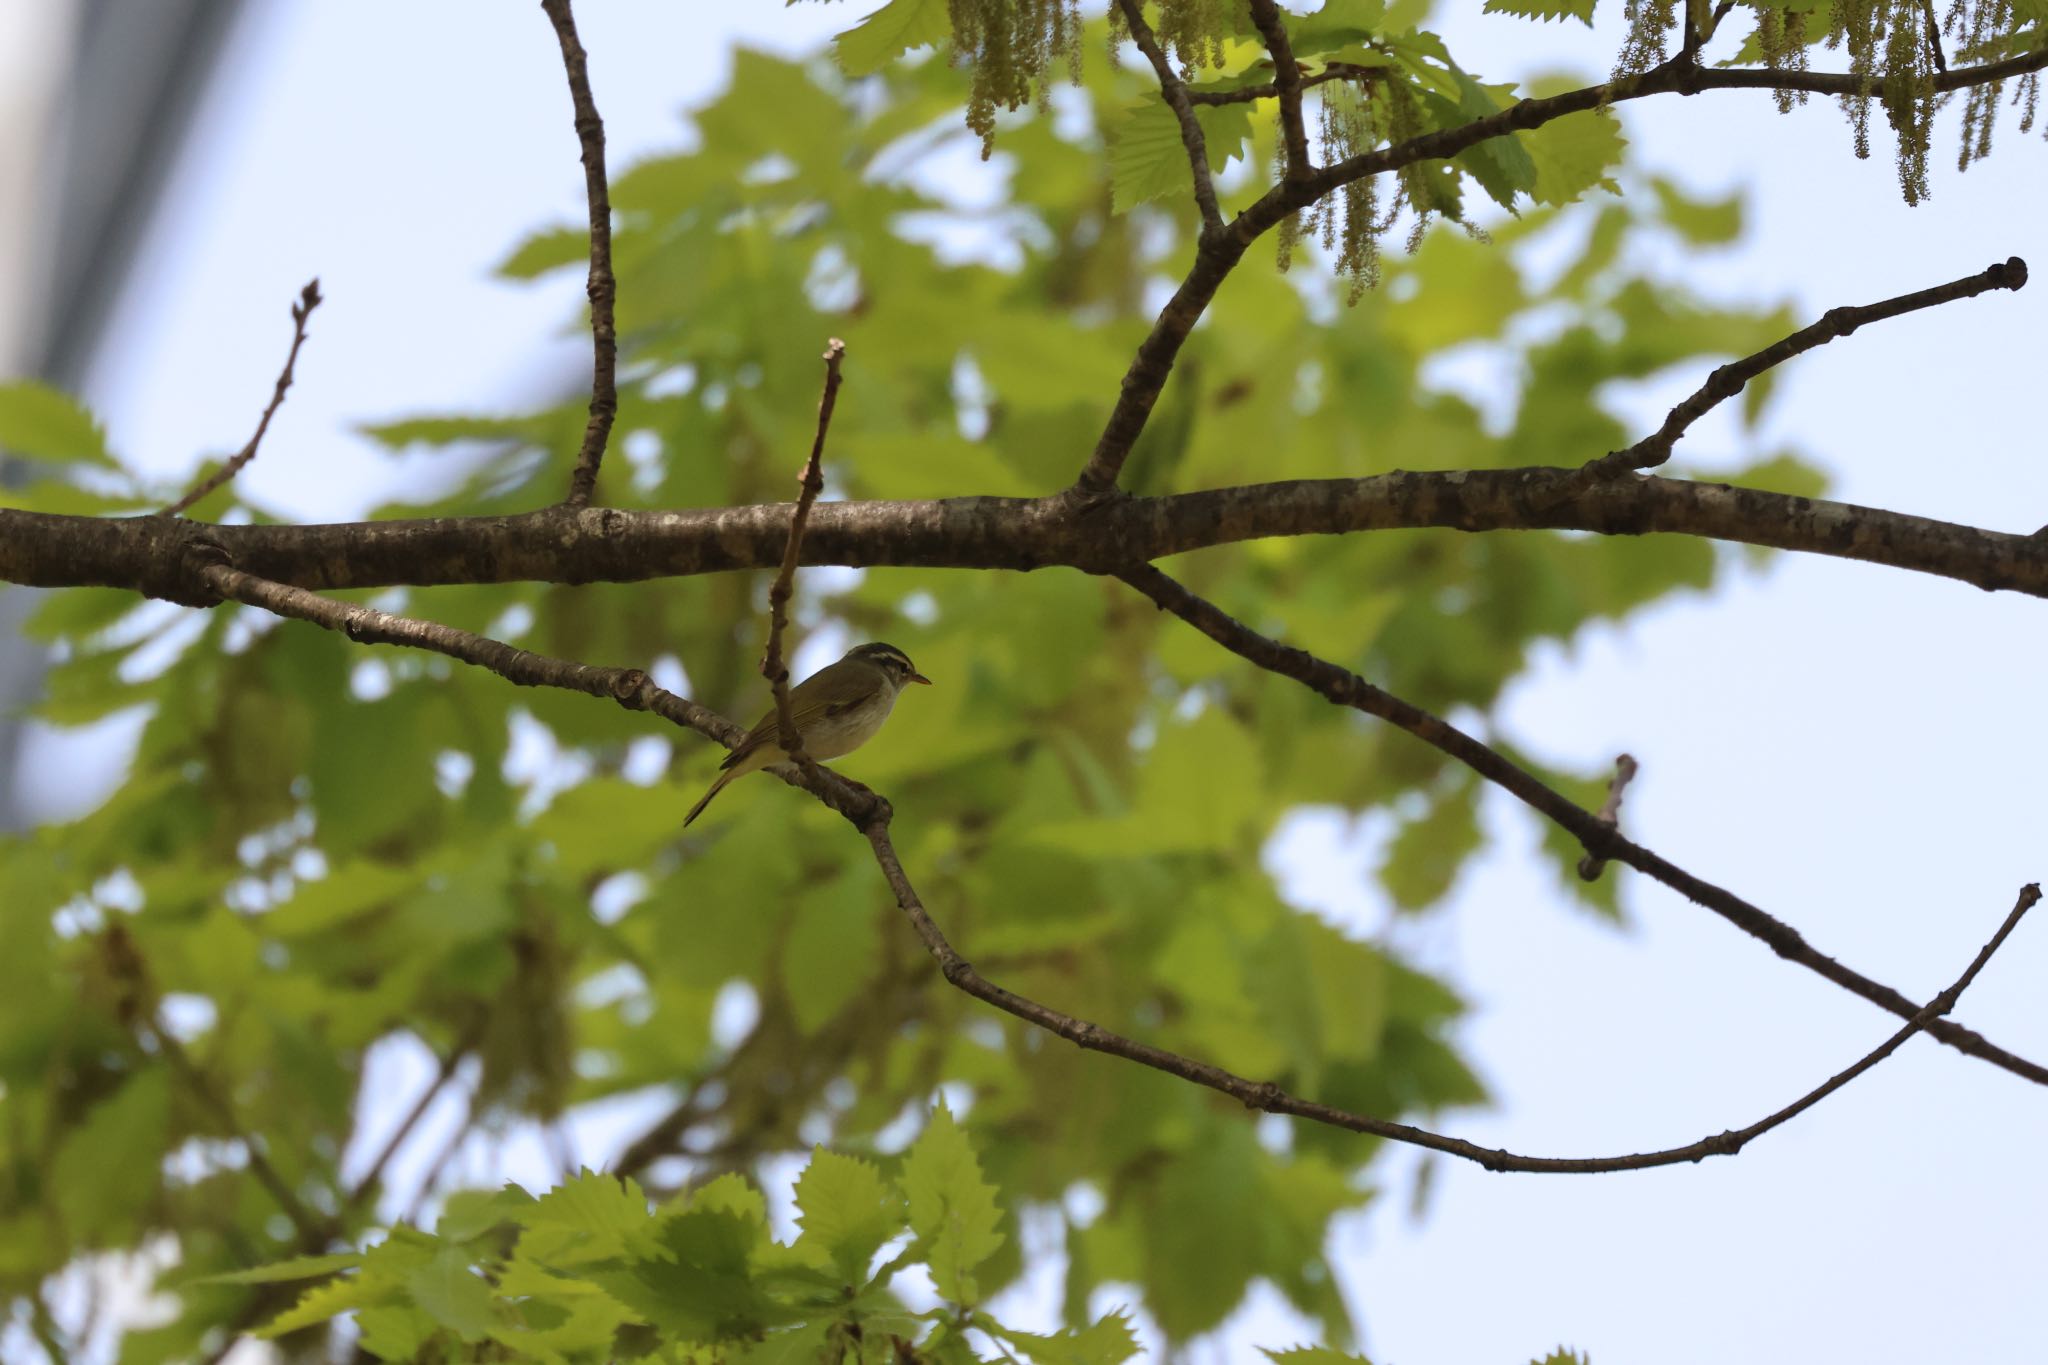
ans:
x=802 y=710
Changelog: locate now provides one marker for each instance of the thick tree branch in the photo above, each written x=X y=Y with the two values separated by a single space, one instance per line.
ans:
x=1729 y=380
x=309 y=299
x=809 y=484
x=603 y=288
x=1266 y=1096
x=1601 y=839
x=154 y=555
x=1174 y=91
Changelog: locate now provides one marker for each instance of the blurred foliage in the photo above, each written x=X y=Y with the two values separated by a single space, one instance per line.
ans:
x=319 y=850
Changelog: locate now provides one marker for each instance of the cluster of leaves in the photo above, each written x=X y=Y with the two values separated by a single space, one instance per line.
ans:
x=591 y=1272
x=319 y=849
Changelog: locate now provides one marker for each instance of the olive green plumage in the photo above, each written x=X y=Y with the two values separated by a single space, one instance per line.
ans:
x=835 y=710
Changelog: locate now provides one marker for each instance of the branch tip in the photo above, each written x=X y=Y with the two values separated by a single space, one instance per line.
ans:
x=309 y=299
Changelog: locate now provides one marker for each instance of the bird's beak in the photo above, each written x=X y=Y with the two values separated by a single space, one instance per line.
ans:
x=919 y=677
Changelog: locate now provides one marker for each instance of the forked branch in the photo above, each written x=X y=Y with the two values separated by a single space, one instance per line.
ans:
x=1730 y=379
x=1175 y=92
x=1266 y=1096
x=1600 y=839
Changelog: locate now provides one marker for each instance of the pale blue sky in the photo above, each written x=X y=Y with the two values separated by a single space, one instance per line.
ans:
x=1852 y=747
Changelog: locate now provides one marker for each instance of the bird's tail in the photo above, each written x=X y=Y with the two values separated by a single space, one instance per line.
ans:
x=716 y=788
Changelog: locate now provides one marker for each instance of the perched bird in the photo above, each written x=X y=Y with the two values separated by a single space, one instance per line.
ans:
x=836 y=710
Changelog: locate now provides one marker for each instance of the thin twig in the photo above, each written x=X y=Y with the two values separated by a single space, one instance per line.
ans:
x=1346 y=688
x=312 y=1230
x=603 y=286
x=1934 y=37
x=809 y=485
x=1251 y=94
x=309 y=299
x=1266 y=1096
x=450 y=1063
x=1730 y=379
x=1174 y=91
x=1286 y=84
x=1609 y=813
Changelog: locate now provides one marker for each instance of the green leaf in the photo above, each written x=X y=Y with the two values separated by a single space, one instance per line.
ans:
x=107 y=1170
x=1582 y=10
x=1701 y=222
x=952 y=1209
x=1501 y=165
x=1318 y=1355
x=1564 y=1356
x=1575 y=154
x=1426 y=853
x=1147 y=159
x=847 y=1210
x=891 y=31
x=39 y=423
x=452 y=1294
x=319 y=1304
x=1108 y=1340
x=551 y=249
x=832 y=949
x=296 y=1268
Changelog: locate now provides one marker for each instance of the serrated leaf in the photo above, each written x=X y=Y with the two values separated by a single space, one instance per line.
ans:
x=1574 y=154
x=317 y=1305
x=890 y=32
x=952 y=1209
x=1546 y=10
x=1312 y=1355
x=1564 y=1356
x=1148 y=161
x=277 y=1272
x=449 y=1291
x=846 y=1209
x=1108 y=1340
x=38 y=422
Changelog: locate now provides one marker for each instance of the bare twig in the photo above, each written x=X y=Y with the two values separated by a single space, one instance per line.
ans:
x=809 y=485
x=1729 y=380
x=603 y=287
x=308 y=300
x=1251 y=94
x=1175 y=92
x=1934 y=37
x=1603 y=841
x=450 y=1063
x=1266 y=1096
x=313 y=1230
x=1609 y=813
x=1286 y=84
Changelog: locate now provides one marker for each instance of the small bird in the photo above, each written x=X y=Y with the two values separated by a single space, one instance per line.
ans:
x=836 y=710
